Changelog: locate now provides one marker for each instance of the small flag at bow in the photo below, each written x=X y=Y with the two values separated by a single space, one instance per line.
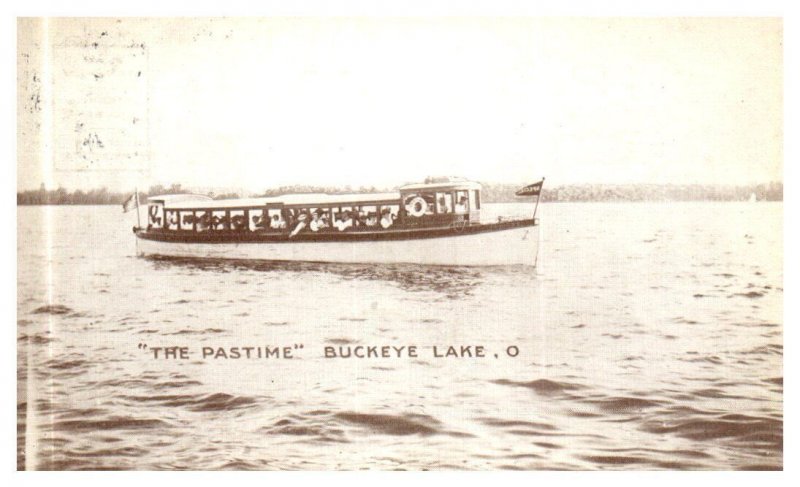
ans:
x=131 y=203
x=531 y=190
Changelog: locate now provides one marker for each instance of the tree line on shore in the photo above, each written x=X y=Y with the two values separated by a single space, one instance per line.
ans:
x=641 y=192
x=492 y=193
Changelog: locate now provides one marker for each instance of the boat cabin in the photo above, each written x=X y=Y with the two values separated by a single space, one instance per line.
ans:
x=430 y=205
x=441 y=204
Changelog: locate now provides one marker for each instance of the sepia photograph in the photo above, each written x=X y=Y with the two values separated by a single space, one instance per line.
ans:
x=400 y=243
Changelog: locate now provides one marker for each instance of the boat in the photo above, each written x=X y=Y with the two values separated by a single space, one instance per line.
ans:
x=433 y=223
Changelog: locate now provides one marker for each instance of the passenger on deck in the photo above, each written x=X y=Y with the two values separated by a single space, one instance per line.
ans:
x=344 y=221
x=258 y=221
x=355 y=215
x=461 y=206
x=216 y=221
x=172 y=220
x=324 y=221
x=387 y=218
x=276 y=223
x=372 y=219
x=301 y=224
x=316 y=222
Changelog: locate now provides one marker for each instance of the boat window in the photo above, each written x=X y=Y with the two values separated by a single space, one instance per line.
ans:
x=326 y=220
x=320 y=220
x=275 y=219
x=473 y=200
x=201 y=221
x=155 y=215
x=388 y=215
x=369 y=215
x=393 y=210
x=238 y=220
x=298 y=221
x=171 y=217
x=342 y=218
x=256 y=221
x=462 y=202
x=287 y=215
x=343 y=213
x=355 y=215
x=430 y=199
x=444 y=202
x=219 y=220
x=187 y=220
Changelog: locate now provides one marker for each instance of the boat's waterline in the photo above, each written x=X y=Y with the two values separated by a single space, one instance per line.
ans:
x=514 y=246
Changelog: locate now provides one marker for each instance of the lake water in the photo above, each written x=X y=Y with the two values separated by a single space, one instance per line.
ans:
x=651 y=338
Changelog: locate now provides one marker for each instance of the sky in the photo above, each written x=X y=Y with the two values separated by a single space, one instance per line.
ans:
x=250 y=103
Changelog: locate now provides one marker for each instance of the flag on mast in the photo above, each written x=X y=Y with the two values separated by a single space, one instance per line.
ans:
x=534 y=189
x=131 y=203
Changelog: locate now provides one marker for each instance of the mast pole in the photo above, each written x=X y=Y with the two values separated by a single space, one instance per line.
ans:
x=138 y=218
x=538 y=197
x=537 y=270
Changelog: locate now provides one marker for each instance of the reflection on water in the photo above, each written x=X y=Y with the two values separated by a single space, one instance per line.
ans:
x=454 y=282
x=656 y=347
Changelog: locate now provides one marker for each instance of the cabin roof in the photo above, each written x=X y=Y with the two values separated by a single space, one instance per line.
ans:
x=443 y=186
x=311 y=199
x=197 y=201
x=211 y=203
x=175 y=198
x=331 y=199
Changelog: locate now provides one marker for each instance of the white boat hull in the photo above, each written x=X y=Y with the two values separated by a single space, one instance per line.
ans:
x=514 y=246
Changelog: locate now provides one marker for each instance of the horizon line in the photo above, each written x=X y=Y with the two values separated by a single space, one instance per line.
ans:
x=376 y=186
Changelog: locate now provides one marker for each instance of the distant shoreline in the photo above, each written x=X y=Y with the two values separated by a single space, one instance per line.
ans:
x=492 y=193
x=521 y=200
